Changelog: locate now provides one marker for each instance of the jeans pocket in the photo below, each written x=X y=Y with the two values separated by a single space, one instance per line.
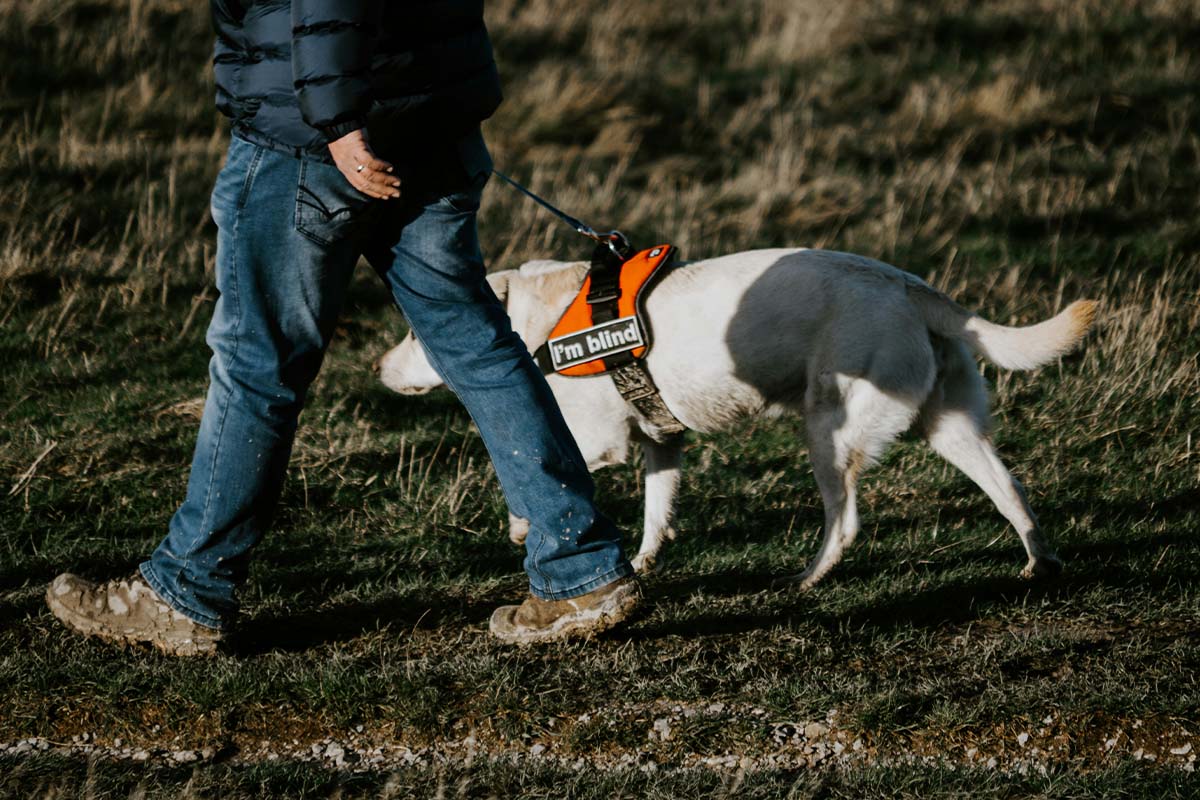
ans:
x=233 y=183
x=328 y=208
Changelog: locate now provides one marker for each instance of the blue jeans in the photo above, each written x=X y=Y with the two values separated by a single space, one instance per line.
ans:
x=290 y=231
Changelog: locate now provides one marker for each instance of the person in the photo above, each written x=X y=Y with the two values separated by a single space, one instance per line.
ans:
x=355 y=132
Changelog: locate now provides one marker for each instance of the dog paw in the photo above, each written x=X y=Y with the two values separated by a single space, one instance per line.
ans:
x=802 y=582
x=518 y=529
x=643 y=563
x=1044 y=567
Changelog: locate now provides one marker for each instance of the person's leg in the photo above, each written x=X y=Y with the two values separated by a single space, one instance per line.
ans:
x=284 y=259
x=432 y=262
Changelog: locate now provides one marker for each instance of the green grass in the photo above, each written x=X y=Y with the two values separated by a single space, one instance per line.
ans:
x=1018 y=154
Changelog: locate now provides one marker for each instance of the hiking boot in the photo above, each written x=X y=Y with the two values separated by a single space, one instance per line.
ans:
x=537 y=620
x=126 y=612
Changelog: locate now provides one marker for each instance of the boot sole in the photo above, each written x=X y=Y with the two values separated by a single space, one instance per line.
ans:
x=615 y=609
x=79 y=623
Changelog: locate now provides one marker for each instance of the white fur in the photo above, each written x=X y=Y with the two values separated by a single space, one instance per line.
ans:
x=863 y=349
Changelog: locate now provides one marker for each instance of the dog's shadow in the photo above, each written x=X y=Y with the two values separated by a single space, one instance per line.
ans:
x=943 y=603
x=947 y=603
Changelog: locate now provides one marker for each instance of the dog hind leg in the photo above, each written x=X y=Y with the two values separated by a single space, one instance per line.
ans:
x=662 y=485
x=844 y=438
x=955 y=423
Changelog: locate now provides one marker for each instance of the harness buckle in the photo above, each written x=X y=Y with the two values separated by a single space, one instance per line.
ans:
x=603 y=295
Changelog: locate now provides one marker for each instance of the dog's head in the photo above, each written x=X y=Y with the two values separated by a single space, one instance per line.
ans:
x=534 y=296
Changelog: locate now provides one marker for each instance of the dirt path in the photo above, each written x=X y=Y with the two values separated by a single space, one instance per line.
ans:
x=1019 y=747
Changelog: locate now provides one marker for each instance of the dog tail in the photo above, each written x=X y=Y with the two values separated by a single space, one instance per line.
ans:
x=1011 y=348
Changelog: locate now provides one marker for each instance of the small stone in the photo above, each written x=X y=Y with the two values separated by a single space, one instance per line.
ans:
x=184 y=756
x=537 y=749
x=335 y=751
x=858 y=744
x=971 y=753
x=358 y=729
x=1137 y=754
x=661 y=729
x=117 y=742
x=716 y=708
x=140 y=755
x=1109 y=744
x=1022 y=738
x=992 y=762
x=1182 y=750
x=815 y=730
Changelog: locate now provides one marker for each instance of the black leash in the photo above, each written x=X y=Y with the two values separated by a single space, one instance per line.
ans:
x=615 y=240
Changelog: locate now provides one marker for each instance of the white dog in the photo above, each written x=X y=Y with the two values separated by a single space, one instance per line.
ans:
x=863 y=349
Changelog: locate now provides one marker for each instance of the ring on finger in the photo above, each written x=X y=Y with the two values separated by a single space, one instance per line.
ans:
x=360 y=167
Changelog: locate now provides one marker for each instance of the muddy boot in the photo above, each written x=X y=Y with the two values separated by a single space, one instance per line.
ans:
x=537 y=620
x=126 y=612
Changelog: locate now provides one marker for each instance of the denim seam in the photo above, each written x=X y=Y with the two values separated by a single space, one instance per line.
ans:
x=589 y=586
x=237 y=303
x=176 y=603
x=248 y=183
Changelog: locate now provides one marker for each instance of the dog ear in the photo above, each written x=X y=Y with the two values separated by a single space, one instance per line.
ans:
x=499 y=281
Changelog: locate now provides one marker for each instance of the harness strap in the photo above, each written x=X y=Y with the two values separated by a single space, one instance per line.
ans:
x=605 y=288
x=636 y=386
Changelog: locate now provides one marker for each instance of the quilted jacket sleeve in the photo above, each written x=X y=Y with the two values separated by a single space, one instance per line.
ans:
x=332 y=44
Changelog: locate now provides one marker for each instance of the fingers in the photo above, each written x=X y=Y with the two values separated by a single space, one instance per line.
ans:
x=368 y=174
x=375 y=179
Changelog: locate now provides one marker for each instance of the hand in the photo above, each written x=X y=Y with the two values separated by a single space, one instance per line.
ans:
x=370 y=175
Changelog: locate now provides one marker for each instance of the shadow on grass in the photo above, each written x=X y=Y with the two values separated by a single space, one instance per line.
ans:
x=298 y=632
x=954 y=602
x=1110 y=564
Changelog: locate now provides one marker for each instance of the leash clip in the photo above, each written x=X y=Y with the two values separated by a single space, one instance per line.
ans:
x=615 y=240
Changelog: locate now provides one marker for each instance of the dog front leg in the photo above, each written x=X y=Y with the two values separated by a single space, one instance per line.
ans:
x=662 y=485
x=518 y=529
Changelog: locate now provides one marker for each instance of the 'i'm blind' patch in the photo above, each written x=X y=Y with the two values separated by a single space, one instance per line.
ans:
x=598 y=341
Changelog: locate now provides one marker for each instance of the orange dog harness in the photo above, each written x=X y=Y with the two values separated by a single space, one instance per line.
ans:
x=605 y=330
x=593 y=337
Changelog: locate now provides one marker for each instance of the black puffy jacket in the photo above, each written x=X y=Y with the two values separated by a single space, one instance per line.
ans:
x=301 y=73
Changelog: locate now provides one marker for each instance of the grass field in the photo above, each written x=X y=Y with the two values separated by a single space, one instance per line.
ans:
x=1018 y=154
